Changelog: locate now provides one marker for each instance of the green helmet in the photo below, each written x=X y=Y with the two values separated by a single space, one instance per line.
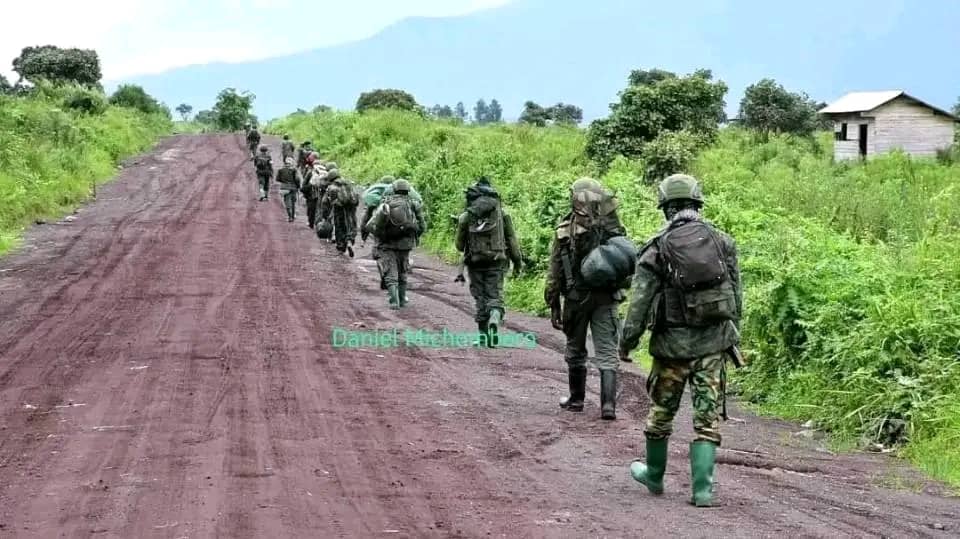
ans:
x=387 y=179
x=286 y=137
x=331 y=165
x=679 y=187
x=401 y=186
x=587 y=184
x=264 y=149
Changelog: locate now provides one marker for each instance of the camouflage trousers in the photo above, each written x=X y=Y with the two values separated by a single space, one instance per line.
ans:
x=290 y=202
x=344 y=227
x=665 y=387
x=486 y=287
x=394 y=265
x=312 y=210
x=264 y=182
x=603 y=321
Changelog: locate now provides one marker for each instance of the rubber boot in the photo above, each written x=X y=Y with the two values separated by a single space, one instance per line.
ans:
x=402 y=295
x=703 y=455
x=578 y=389
x=484 y=337
x=651 y=473
x=496 y=317
x=393 y=294
x=608 y=394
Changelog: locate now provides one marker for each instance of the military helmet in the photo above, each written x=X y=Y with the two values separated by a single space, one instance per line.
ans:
x=331 y=164
x=401 y=186
x=679 y=187
x=387 y=179
x=264 y=149
x=333 y=174
x=286 y=137
x=587 y=184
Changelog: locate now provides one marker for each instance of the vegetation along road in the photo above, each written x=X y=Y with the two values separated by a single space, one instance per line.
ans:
x=167 y=370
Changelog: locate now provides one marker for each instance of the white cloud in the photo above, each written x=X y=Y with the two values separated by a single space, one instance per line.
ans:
x=136 y=37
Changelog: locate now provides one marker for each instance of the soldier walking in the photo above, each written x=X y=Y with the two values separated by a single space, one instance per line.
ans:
x=687 y=291
x=306 y=148
x=287 y=149
x=253 y=140
x=364 y=233
x=397 y=224
x=263 y=164
x=290 y=181
x=339 y=204
x=486 y=237
x=586 y=305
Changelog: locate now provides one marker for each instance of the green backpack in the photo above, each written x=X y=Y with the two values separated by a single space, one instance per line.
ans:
x=397 y=218
x=485 y=237
x=346 y=194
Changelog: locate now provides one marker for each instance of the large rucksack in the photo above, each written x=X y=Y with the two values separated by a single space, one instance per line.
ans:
x=263 y=164
x=346 y=195
x=699 y=291
x=485 y=236
x=397 y=219
x=606 y=257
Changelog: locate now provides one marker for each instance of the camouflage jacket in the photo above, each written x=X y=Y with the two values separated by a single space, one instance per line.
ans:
x=675 y=343
x=289 y=178
x=287 y=149
x=567 y=242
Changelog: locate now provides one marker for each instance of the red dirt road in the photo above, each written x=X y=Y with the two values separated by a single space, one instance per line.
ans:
x=166 y=370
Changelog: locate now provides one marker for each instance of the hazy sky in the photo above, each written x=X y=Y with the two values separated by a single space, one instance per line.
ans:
x=136 y=37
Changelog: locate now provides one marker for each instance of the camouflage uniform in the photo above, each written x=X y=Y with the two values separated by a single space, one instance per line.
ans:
x=486 y=278
x=290 y=181
x=394 y=261
x=312 y=194
x=364 y=233
x=287 y=149
x=344 y=217
x=263 y=176
x=253 y=140
x=305 y=150
x=584 y=308
x=681 y=355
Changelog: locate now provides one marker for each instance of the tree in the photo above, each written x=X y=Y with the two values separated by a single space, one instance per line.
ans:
x=184 y=110
x=460 y=111
x=660 y=102
x=232 y=109
x=206 y=117
x=386 y=99
x=81 y=66
x=565 y=114
x=438 y=111
x=768 y=107
x=321 y=109
x=135 y=97
x=5 y=87
x=494 y=112
x=534 y=114
x=480 y=112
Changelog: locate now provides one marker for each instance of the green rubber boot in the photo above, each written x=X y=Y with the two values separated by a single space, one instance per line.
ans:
x=702 y=458
x=393 y=294
x=651 y=473
x=402 y=295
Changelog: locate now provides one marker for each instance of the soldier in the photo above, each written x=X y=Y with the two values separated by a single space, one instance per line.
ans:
x=339 y=203
x=311 y=187
x=253 y=140
x=286 y=149
x=593 y=221
x=290 y=182
x=364 y=233
x=397 y=224
x=305 y=150
x=487 y=240
x=263 y=164
x=686 y=290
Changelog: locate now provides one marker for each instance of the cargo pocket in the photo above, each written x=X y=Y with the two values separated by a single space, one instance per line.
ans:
x=711 y=306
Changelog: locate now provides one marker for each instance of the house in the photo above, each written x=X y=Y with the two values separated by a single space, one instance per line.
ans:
x=871 y=123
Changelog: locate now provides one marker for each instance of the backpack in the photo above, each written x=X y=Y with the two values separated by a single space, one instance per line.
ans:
x=594 y=224
x=264 y=164
x=398 y=218
x=699 y=291
x=346 y=195
x=485 y=236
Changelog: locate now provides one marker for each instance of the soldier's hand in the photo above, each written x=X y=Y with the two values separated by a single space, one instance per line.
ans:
x=556 y=317
x=625 y=356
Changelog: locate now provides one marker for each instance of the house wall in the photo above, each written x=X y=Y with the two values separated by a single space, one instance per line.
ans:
x=850 y=148
x=911 y=127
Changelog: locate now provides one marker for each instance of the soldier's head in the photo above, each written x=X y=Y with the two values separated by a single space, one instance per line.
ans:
x=401 y=187
x=286 y=137
x=331 y=165
x=388 y=180
x=310 y=159
x=288 y=162
x=332 y=174
x=264 y=149
x=677 y=193
x=307 y=144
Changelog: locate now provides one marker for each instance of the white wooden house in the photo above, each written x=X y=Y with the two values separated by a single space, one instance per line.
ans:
x=872 y=123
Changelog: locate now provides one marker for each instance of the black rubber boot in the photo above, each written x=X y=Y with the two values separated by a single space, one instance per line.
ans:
x=608 y=394
x=578 y=389
x=496 y=318
x=484 y=335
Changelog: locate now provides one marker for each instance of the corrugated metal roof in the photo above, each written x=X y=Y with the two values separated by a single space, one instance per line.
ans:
x=861 y=101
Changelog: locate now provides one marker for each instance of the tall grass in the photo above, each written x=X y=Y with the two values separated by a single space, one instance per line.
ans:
x=851 y=271
x=51 y=155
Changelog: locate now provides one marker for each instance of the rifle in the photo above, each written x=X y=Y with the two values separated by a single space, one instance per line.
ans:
x=455 y=219
x=734 y=353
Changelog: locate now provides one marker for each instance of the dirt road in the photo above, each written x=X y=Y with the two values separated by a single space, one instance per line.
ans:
x=167 y=370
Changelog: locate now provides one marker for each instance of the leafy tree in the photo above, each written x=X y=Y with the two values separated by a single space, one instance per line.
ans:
x=565 y=114
x=321 y=108
x=81 y=66
x=480 y=112
x=444 y=111
x=5 y=86
x=661 y=102
x=184 y=110
x=494 y=111
x=206 y=117
x=672 y=152
x=386 y=98
x=460 y=111
x=768 y=107
x=135 y=97
x=534 y=114
x=232 y=109
x=86 y=101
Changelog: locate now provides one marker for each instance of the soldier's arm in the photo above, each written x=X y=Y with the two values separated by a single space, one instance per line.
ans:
x=513 y=244
x=646 y=284
x=551 y=293
x=462 y=230
x=421 y=223
x=364 y=233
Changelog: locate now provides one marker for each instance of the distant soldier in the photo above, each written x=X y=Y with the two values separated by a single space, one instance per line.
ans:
x=290 y=181
x=687 y=291
x=315 y=186
x=364 y=233
x=302 y=154
x=397 y=224
x=253 y=140
x=589 y=302
x=339 y=204
x=486 y=237
x=263 y=164
x=287 y=149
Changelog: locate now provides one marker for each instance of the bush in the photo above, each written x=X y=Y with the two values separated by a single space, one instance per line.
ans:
x=86 y=102
x=135 y=97
x=671 y=152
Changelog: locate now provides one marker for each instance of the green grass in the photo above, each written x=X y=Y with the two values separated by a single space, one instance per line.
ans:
x=850 y=271
x=51 y=157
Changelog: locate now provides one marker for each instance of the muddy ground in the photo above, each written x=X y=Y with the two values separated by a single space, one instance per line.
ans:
x=167 y=370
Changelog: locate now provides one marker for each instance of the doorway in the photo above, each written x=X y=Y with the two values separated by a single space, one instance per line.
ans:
x=863 y=140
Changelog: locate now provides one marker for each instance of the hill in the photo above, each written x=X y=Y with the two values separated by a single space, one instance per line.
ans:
x=581 y=53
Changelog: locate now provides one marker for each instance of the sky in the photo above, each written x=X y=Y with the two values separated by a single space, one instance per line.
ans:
x=137 y=37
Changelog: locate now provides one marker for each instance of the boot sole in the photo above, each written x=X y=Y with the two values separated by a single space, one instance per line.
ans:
x=572 y=408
